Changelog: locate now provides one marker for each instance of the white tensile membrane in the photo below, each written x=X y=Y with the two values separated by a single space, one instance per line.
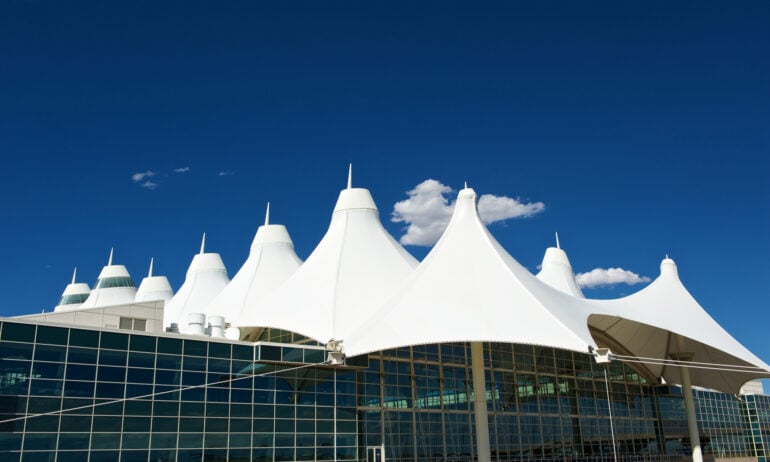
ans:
x=271 y=261
x=356 y=262
x=556 y=271
x=153 y=288
x=645 y=325
x=105 y=293
x=206 y=277
x=469 y=288
x=73 y=295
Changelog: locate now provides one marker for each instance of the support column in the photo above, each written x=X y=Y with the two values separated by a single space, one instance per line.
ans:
x=480 y=402
x=689 y=402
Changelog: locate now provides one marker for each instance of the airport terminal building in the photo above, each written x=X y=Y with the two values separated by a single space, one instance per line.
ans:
x=363 y=353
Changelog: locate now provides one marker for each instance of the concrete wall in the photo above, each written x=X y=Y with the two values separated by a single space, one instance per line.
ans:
x=107 y=316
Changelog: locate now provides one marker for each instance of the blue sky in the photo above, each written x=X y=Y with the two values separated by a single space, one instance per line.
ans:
x=643 y=128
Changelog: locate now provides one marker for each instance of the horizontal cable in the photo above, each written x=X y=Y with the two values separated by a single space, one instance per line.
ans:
x=687 y=363
x=151 y=395
x=695 y=365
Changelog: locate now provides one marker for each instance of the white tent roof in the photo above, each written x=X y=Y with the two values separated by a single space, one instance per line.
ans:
x=205 y=279
x=469 y=288
x=642 y=325
x=271 y=261
x=556 y=271
x=154 y=288
x=355 y=263
x=103 y=294
x=73 y=289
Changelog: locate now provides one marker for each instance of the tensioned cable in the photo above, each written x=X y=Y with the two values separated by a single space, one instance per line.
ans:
x=694 y=365
x=687 y=363
x=150 y=395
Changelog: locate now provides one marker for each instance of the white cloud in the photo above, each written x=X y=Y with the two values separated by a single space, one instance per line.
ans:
x=428 y=209
x=426 y=212
x=182 y=170
x=137 y=177
x=499 y=208
x=600 y=277
x=225 y=173
x=149 y=184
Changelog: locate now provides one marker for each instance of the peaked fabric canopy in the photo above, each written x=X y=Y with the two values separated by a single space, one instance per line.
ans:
x=469 y=288
x=556 y=271
x=153 y=288
x=206 y=277
x=645 y=324
x=106 y=293
x=271 y=261
x=359 y=286
x=356 y=263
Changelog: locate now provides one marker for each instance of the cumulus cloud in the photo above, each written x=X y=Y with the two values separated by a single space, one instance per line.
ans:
x=225 y=173
x=498 y=208
x=182 y=170
x=148 y=184
x=138 y=177
x=426 y=213
x=601 y=277
x=428 y=209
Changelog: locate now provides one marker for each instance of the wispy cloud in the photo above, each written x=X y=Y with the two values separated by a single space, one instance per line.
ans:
x=137 y=177
x=601 y=277
x=428 y=209
x=225 y=173
x=182 y=170
x=148 y=184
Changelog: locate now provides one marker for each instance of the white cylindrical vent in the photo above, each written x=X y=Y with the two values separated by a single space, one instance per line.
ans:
x=195 y=322
x=217 y=326
x=233 y=333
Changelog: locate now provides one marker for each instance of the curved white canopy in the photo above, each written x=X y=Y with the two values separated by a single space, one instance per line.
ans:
x=73 y=294
x=114 y=286
x=469 y=288
x=154 y=288
x=205 y=279
x=356 y=262
x=556 y=271
x=271 y=261
x=644 y=325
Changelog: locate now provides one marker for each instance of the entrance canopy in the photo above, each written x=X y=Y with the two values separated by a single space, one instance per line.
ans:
x=646 y=324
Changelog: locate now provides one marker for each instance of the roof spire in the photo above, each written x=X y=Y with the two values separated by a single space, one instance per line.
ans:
x=267 y=214
x=350 y=175
x=109 y=262
x=203 y=243
x=557 y=240
x=149 y=273
x=466 y=184
x=74 y=274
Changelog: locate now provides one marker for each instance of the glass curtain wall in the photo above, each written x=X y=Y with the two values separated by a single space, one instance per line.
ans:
x=543 y=404
x=83 y=395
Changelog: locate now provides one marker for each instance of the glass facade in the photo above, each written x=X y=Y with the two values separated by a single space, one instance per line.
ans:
x=114 y=281
x=73 y=299
x=84 y=395
x=89 y=395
